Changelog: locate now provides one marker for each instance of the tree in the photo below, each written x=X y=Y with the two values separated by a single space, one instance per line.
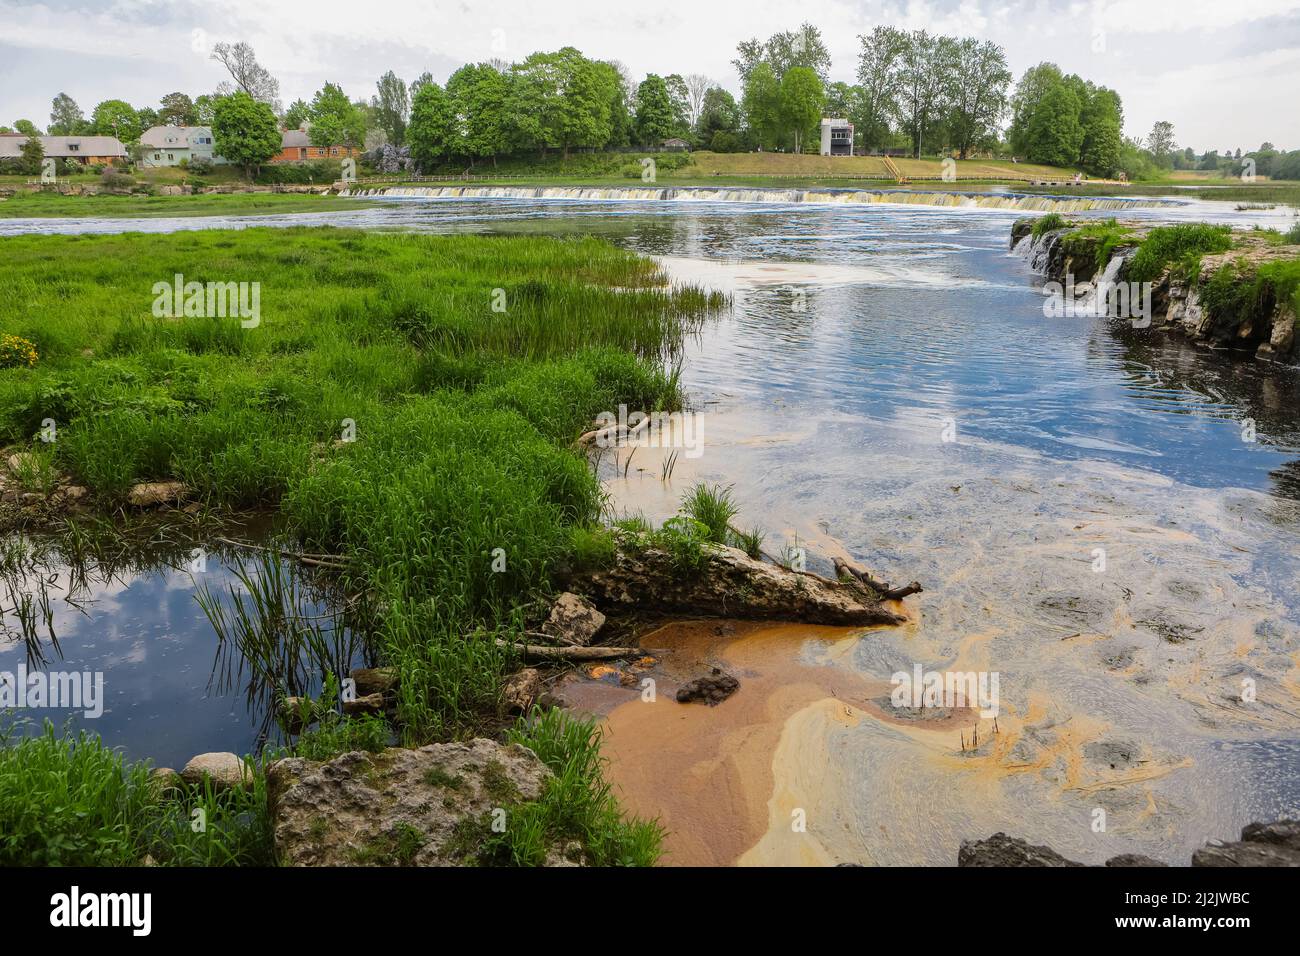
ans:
x=247 y=74
x=761 y=104
x=26 y=127
x=1054 y=135
x=335 y=120
x=146 y=118
x=802 y=47
x=978 y=93
x=33 y=154
x=564 y=99
x=656 y=118
x=800 y=103
x=424 y=79
x=432 y=127
x=204 y=107
x=879 y=84
x=297 y=115
x=1102 y=120
x=116 y=118
x=244 y=131
x=680 y=95
x=177 y=109
x=66 y=118
x=1161 y=142
x=718 y=114
x=392 y=107
x=480 y=102
x=925 y=83
x=697 y=87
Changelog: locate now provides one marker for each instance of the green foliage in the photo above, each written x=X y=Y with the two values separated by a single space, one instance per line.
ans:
x=432 y=133
x=335 y=120
x=116 y=118
x=70 y=801
x=1101 y=238
x=244 y=131
x=654 y=111
x=1047 y=223
x=714 y=508
x=1179 y=247
x=800 y=104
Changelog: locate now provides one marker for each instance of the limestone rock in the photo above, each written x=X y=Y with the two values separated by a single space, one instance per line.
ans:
x=21 y=461
x=421 y=807
x=521 y=689
x=1002 y=850
x=166 y=781
x=574 y=620
x=225 y=770
x=711 y=690
x=374 y=680
x=149 y=494
x=731 y=584
x=367 y=704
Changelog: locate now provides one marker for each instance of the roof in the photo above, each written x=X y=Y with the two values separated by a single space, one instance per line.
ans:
x=11 y=146
x=172 y=137
x=294 y=138
x=834 y=121
x=676 y=141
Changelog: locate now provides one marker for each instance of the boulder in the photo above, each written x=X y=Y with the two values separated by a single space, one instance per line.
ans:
x=429 y=806
x=166 y=781
x=225 y=770
x=730 y=584
x=711 y=690
x=367 y=704
x=521 y=690
x=1261 y=844
x=1002 y=850
x=573 y=620
x=170 y=191
x=374 y=680
x=150 y=494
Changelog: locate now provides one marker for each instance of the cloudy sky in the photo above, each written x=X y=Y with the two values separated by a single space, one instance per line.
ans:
x=1226 y=73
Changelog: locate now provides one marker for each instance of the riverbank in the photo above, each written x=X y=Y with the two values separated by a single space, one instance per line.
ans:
x=54 y=205
x=420 y=441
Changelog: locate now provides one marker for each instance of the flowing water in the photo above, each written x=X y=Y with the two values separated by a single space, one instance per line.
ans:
x=1105 y=518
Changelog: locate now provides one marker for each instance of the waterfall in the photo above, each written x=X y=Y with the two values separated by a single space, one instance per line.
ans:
x=838 y=197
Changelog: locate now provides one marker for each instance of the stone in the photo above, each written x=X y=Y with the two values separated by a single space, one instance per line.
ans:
x=374 y=680
x=573 y=620
x=711 y=690
x=1002 y=850
x=296 y=713
x=428 y=806
x=166 y=781
x=1133 y=860
x=1282 y=337
x=521 y=689
x=1261 y=844
x=22 y=461
x=367 y=704
x=150 y=494
x=225 y=770
x=170 y=191
x=730 y=584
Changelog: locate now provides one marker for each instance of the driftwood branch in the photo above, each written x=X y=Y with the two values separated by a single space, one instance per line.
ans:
x=572 y=653
x=601 y=434
x=882 y=588
x=318 y=561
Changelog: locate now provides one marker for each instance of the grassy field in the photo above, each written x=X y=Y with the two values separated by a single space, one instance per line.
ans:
x=41 y=205
x=462 y=416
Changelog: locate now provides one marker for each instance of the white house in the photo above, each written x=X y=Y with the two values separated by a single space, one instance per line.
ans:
x=169 y=145
x=837 y=137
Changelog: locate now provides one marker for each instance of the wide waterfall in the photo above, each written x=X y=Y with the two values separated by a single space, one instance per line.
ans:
x=842 y=197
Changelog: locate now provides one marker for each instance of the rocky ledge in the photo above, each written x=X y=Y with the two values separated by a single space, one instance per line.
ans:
x=1261 y=844
x=1225 y=306
x=643 y=577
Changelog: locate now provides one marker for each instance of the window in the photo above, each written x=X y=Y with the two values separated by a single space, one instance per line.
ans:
x=157 y=156
x=74 y=147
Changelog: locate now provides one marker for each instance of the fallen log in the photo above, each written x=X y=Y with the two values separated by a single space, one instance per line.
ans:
x=597 y=435
x=882 y=588
x=570 y=653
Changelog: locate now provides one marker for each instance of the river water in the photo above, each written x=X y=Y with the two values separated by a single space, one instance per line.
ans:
x=1106 y=519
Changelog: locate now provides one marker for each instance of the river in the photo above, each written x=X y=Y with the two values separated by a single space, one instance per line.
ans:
x=1080 y=502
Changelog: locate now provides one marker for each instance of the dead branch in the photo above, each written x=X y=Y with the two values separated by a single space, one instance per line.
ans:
x=322 y=561
x=572 y=653
x=882 y=588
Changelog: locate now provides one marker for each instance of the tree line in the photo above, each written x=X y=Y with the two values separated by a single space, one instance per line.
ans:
x=917 y=92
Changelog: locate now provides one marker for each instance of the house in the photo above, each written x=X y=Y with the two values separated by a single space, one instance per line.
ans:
x=837 y=137
x=172 y=145
x=676 y=145
x=100 y=150
x=295 y=147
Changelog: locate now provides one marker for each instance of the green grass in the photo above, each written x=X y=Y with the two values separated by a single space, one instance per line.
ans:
x=1045 y=224
x=46 y=205
x=460 y=494
x=1233 y=296
x=1180 y=247
x=70 y=801
x=1100 y=239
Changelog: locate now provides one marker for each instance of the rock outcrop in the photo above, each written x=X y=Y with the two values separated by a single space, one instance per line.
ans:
x=1261 y=844
x=429 y=806
x=729 y=584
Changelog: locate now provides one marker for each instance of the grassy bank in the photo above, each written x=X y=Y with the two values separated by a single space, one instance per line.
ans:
x=42 y=205
x=406 y=402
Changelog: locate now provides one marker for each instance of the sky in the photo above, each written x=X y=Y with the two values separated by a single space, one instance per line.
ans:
x=1226 y=73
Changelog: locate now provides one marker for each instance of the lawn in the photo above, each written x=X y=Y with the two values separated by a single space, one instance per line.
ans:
x=405 y=402
x=41 y=205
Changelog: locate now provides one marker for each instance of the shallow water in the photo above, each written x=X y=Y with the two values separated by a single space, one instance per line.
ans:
x=860 y=341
